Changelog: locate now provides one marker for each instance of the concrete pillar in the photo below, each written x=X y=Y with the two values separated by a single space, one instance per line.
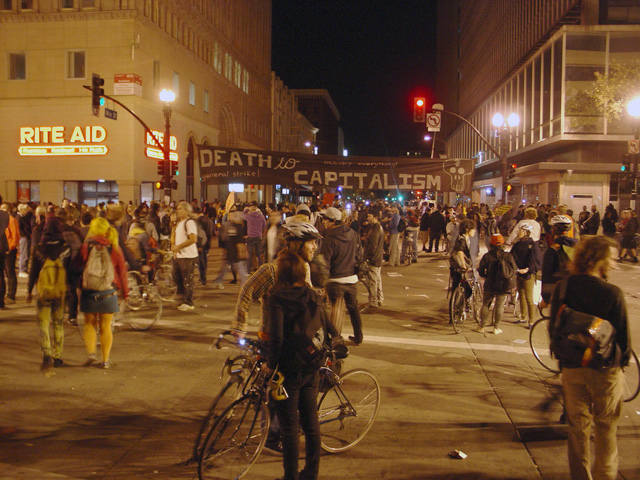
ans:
x=51 y=191
x=129 y=190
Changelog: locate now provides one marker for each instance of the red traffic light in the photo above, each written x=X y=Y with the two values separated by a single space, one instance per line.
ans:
x=419 y=109
x=514 y=166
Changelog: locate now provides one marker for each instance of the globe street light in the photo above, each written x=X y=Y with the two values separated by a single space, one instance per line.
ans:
x=498 y=121
x=167 y=96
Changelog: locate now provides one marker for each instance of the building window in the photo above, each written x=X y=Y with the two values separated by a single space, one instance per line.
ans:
x=192 y=93
x=176 y=83
x=17 y=66
x=66 y=4
x=88 y=4
x=156 y=74
x=75 y=64
x=6 y=5
x=26 y=4
x=245 y=81
x=206 y=101
x=29 y=191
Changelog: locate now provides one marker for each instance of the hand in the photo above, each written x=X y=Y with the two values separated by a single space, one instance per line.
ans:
x=523 y=270
x=175 y=249
x=237 y=335
x=543 y=304
x=29 y=298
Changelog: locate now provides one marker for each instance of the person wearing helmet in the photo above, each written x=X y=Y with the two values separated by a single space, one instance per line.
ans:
x=555 y=262
x=530 y=215
x=528 y=258
x=301 y=238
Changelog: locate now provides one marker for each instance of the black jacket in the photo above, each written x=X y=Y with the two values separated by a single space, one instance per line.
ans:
x=488 y=268
x=339 y=247
x=526 y=254
x=437 y=222
x=551 y=271
x=374 y=245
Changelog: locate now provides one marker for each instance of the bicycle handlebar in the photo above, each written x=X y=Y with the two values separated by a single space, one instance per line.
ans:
x=238 y=342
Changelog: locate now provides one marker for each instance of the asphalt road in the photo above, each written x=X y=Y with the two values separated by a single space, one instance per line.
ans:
x=483 y=395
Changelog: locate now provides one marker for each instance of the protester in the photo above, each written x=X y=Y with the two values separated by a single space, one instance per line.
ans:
x=628 y=230
x=183 y=245
x=4 y=247
x=528 y=258
x=373 y=249
x=460 y=259
x=256 y=224
x=25 y=215
x=593 y=397
x=206 y=224
x=555 y=262
x=104 y=274
x=13 y=240
x=496 y=284
x=394 y=249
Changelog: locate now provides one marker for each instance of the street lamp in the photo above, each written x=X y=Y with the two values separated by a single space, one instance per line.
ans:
x=633 y=107
x=167 y=96
x=498 y=121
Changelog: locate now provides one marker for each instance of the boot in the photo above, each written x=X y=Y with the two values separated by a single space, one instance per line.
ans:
x=47 y=363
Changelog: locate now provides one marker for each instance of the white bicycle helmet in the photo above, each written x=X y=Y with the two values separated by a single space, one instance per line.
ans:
x=560 y=220
x=301 y=231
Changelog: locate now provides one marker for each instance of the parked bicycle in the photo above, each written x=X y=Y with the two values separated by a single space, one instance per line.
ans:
x=347 y=407
x=461 y=307
x=540 y=346
x=163 y=276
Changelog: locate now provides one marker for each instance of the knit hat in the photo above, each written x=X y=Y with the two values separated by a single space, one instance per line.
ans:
x=497 y=239
x=52 y=231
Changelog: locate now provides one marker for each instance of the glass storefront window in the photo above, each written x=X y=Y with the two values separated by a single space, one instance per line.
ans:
x=29 y=191
x=624 y=49
x=557 y=86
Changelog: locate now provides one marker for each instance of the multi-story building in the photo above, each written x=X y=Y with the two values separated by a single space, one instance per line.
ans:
x=537 y=59
x=215 y=56
x=318 y=107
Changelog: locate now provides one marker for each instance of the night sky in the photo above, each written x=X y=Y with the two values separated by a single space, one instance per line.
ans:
x=373 y=56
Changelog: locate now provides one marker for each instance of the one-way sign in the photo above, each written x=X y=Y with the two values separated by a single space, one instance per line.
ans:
x=112 y=114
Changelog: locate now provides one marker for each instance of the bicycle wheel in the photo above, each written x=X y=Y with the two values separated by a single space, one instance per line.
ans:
x=632 y=378
x=457 y=313
x=163 y=281
x=143 y=309
x=235 y=441
x=229 y=392
x=347 y=410
x=476 y=302
x=539 y=342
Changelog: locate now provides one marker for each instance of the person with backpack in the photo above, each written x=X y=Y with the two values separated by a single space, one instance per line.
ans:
x=437 y=226
x=205 y=234
x=103 y=275
x=73 y=238
x=593 y=396
x=184 y=245
x=298 y=332
x=498 y=269
x=460 y=259
x=50 y=273
x=555 y=262
x=528 y=258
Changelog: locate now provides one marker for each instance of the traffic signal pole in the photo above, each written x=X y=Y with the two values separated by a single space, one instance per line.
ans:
x=166 y=178
x=164 y=148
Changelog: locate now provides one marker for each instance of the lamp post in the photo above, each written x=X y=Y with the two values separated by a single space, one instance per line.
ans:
x=504 y=132
x=633 y=107
x=167 y=96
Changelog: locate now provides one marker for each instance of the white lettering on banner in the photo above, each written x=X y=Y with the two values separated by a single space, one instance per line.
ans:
x=217 y=161
x=330 y=177
x=315 y=177
x=345 y=179
x=376 y=183
x=264 y=162
x=205 y=158
x=387 y=186
x=404 y=177
x=297 y=179
x=416 y=181
x=434 y=183
x=235 y=159
x=360 y=177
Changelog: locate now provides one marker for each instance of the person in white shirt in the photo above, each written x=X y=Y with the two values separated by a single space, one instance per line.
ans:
x=530 y=215
x=183 y=245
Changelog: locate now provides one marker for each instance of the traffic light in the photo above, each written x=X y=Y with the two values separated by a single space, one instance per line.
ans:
x=174 y=184
x=509 y=187
x=159 y=185
x=511 y=171
x=419 y=109
x=174 y=169
x=626 y=164
x=97 y=92
x=161 y=168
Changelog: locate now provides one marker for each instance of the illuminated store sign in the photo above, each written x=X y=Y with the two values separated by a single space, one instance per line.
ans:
x=152 y=150
x=48 y=141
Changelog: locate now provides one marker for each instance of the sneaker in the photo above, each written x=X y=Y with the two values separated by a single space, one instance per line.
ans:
x=106 y=364
x=47 y=363
x=57 y=362
x=73 y=321
x=90 y=359
x=185 y=307
x=479 y=329
x=528 y=326
x=273 y=446
x=218 y=286
x=233 y=282
x=9 y=301
x=497 y=331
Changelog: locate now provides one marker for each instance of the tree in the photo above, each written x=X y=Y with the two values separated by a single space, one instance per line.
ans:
x=611 y=91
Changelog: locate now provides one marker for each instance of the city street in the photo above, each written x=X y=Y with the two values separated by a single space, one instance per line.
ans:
x=441 y=391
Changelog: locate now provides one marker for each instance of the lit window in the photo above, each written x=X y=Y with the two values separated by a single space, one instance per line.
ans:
x=75 y=64
x=17 y=66
x=206 y=101
x=176 y=83
x=192 y=93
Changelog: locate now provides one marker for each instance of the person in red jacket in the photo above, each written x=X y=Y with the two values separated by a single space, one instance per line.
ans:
x=13 y=240
x=99 y=297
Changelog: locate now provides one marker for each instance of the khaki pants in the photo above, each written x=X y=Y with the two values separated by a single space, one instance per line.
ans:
x=592 y=399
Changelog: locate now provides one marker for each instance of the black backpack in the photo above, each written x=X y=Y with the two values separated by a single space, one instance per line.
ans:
x=505 y=272
x=402 y=225
x=309 y=339
x=580 y=338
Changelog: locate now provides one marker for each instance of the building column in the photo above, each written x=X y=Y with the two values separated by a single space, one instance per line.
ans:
x=129 y=191
x=51 y=191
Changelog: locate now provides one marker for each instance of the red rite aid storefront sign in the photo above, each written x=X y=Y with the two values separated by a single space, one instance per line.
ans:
x=52 y=141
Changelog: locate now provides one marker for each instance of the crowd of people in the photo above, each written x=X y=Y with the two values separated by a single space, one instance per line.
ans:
x=296 y=258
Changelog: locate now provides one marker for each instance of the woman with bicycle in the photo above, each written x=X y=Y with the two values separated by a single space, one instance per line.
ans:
x=291 y=309
x=460 y=259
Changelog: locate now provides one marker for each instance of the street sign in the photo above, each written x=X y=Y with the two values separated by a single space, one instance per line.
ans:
x=433 y=121
x=112 y=114
x=634 y=146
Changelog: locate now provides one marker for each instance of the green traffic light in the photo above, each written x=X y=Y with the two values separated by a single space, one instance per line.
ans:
x=101 y=101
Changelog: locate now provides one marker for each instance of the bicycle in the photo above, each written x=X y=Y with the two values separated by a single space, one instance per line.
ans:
x=460 y=306
x=143 y=308
x=163 y=277
x=540 y=346
x=347 y=407
x=408 y=252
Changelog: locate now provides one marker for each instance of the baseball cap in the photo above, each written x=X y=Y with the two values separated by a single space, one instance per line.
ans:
x=497 y=239
x=303 y=208
x=332 y=213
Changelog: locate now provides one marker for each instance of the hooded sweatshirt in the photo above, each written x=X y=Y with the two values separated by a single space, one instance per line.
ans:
x=339 y=247
x=286 y=307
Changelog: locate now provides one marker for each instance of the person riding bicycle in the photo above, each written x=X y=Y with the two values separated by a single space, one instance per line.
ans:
x=460 y=259
x=555 y=262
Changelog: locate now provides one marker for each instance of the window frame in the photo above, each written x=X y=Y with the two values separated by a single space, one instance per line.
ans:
x=9 y=66
x=68 y=66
